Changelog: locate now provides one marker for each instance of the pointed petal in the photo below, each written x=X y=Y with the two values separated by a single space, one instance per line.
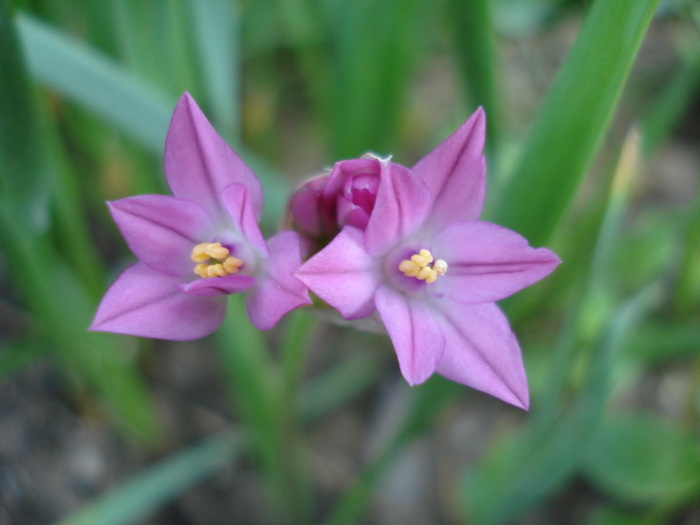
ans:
x=147 y=303
x=162 y=230
x=487 y=262
x=199 y=164
x=402 y=204
x=238 y=202
x=414 y=331
x=218 y=285
x=482 y=352
x=455 y=173
x=343 y=274
x=278 y=292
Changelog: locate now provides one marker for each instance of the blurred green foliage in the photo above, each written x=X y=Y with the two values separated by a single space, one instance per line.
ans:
x=86 y=92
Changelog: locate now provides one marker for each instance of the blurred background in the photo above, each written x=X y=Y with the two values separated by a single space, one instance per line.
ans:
x=592 y=112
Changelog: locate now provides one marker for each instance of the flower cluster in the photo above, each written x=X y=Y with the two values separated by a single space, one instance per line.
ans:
x=404 y=247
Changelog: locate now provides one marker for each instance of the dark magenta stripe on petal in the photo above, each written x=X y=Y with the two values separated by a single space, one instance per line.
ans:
x=455 y=173
x=482 y=352
x=199 y=164
x=237 y=200
x=147 y=303
x=414 y=331
x=162 y=230
x=487 y=262
x=402 y=205
x=218 y=285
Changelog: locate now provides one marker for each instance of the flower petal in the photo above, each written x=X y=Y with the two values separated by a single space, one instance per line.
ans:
x=414 y=331
x=147 y=303
x=218 y=285
x=487 y=262
x=455 y=173
x=403 y=202
x=343 y=274
x=237 y=199
x=199 y=164
x=278 y=291
x=162 y=230
x=482 y=352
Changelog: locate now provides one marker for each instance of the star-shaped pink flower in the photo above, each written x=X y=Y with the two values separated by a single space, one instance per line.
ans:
x=432 y=271
x=200 y=245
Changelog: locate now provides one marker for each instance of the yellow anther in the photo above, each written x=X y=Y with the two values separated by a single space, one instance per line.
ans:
x=198 y=253
x=216 y=270
x=419 y=267
x=211 y=247
x=219 y=253
x=424 y=273
x=201 y=270
x=214 y=260
x=440 y=267
x=409 y=268
x=422 y=258
x=232 y=264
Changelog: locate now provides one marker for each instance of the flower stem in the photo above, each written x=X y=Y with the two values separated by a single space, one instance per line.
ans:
x=261 y=389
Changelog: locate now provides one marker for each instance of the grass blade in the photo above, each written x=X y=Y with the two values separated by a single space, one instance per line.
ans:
x=217 y=38
x=574 y=118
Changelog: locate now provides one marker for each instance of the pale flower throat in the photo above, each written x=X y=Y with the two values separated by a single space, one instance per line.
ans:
x=418 y=266
x=214 y=260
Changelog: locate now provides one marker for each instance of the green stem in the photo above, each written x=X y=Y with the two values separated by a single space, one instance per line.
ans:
x=687 y=286
x=260 y=391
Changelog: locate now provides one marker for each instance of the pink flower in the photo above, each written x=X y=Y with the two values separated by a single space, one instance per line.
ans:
x=322 y=206
x=432 y=270
x=201 y=244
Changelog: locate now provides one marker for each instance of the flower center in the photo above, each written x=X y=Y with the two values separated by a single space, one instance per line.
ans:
x=419 y=266
x=214 y=260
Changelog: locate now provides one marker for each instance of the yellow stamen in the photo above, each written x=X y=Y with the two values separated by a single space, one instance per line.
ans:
x=198 y=253
x=216 y=270
x=424 y=273
x=407 y=266
x=214 y=260
x=232 y=264
x=211 y=247
x=419 y=267
x=219 y=253
x=422 y=258
x=201 y=270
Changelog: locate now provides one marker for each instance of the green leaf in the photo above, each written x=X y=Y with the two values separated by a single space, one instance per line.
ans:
x=92 y=80
x=574 y=118
x=375 y=47
x=47 y=288
x=526 y=467
x=643 y=459
x=22 y=155
x=217 y=38
x=155 y=42
x=612 y=516
x=122 y=98
x=146 y=492
x=661 y=118
x=475 y=49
